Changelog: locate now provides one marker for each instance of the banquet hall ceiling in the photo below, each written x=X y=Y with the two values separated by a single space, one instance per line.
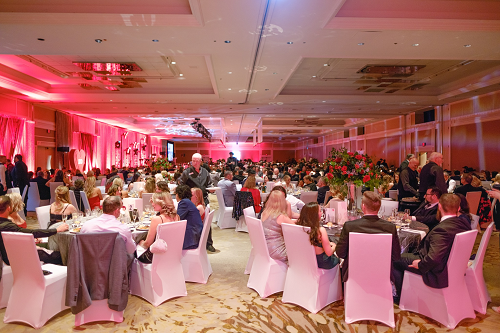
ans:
x=301 y=68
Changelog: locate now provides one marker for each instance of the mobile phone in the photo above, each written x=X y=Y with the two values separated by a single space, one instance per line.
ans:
x=45 y=272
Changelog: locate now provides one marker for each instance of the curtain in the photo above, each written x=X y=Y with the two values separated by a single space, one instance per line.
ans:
x=11 y=130
x=88 y=146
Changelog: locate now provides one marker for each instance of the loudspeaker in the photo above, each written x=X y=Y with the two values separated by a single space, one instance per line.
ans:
x=63 y=149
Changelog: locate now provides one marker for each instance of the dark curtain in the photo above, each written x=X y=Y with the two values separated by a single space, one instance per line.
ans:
x=88 y=145
x=11 y=129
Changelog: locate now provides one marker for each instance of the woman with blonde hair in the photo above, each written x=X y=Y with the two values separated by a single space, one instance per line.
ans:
x=287 y=182
x=94 y=195
x=121 y=192
x=61 y=206
x=250 y=186
x=162 y=203
x=273 y=216
x=198 y=201
x=149 y=186
x=17 y=205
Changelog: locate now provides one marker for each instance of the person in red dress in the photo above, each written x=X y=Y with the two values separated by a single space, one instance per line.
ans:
x=250 y=186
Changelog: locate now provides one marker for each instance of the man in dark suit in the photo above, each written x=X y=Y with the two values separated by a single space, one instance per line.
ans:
x=466 y=186
x=427 y=211
x=322 y=189
x=431 y=257
x=370 y=223
x=408 y=182
x=405 y=163
x=432 y=175
x=43 y=189
x=20 y=178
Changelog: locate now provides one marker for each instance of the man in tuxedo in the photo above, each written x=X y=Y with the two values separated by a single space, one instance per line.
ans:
x=20 y=178
x=228 y=188
x=427 y=211
x=432 y=175
x=408 y=182
x=431 y=257
x=322 y=189
x=43 y=189
x=370 y=223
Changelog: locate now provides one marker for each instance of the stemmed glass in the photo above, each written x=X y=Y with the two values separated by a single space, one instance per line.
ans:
x=406 y=219
x=135 y=215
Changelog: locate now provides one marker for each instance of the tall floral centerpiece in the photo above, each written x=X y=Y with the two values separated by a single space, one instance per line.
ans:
x=351 y=168
x=161 y=164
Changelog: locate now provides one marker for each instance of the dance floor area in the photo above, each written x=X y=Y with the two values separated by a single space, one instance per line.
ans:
x=225 y=304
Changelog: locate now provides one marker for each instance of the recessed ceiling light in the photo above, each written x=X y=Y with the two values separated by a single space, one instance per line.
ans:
x=227 y=41
x=361 y=44
x=325 y=65
x=173 y=62
x=275 y=73
x=415 y=44
x=229 y=72
x=228 y=88
x=467 y=45
x=289 y=43
x=181 y=74
x=155 y=40
x=324 y=101
x=43 y=40
x=314 y=76
x=98 y=40
x=267 y=89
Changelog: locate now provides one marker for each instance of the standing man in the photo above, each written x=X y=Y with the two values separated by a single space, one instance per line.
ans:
x=196 y=176
x=3 y=180
x=432 y=175
x=370 y=223
x=228 y=188
x=408 y=182
x=431 y=257
x=20 y=178
x=232 y=161
x=405 y=163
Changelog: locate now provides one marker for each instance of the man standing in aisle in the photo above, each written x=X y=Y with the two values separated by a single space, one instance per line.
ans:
x=432 y=175
x=3 y=169
x=20 y=178
x=232 y=161
x=196 y=176
x=408 y=182
x=406 y=162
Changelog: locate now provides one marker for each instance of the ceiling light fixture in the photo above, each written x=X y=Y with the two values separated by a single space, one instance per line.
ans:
x=467 y=45
x=289 y=43
x=98 y=41
x=361 y=44
x=181 y=74
x=227 y=41
x=326 y=65
x=314 y=76
x=43 y=40
x=173 y=62
x=155 y=40
x=230 y=72
x=228 y=88
x=415 y=44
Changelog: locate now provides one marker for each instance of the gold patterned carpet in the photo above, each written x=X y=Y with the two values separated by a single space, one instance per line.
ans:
x=225 y=304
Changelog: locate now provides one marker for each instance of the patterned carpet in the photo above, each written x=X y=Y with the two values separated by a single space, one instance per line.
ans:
x=225 y=304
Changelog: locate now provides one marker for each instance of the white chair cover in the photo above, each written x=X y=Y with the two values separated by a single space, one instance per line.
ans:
x=369 y=296
x=387 y=207
x=450 y=305
x=294 y=182
x=307 y=285
x=103 y=189
x=43 y=216
x=486 y=184
x=249 y=212
x=475 y=221
x=311 y=196
x=225 y=214
x=267 y=276
x=85 y=200
x=46 y=293
x=103 y=181
x=5 y=285
x=474 y=276
x=146 y=200
x=473 y=199
x=269 y=186
x=98 y=311
x=238 y=187
x=164 y=278
x=137 y=186
x=34 y=198
x=72 y=199
x=53 y=187
x=24 y=192
x=195 y=263
x=14 y=190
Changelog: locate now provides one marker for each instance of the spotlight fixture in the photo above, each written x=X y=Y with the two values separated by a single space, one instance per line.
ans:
x=227 y=41
x=155 y=40
x=98 y=41
x=467 y=45
x=289 y=43
x=415 y=44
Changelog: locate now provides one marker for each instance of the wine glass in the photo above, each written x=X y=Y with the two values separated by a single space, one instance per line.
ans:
x=135 y=214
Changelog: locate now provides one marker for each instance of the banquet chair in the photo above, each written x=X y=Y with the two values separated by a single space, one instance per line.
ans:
x=103 y=189
x=473 y=199
x=163 y=279
x=72 y=199
x=195 y=263
x=387 y=207
x=53 y=187
x=103 y=257
x=368 y=290
x=85 y=200
x=307 y=285
x=449 y=305
x=393 y=194
x=137 y=186
x=5 y=283
x=14 y=190
x=172 y=187
x=24 y=192
x=236 y=182
x=225 y=214
x=43 y=216
x=310 y=196
x=242 y=201
x=486 y=184
x=239 y=187
x=249 y=212
x=34 y=198
x=35 y=297
x=103 y=181
x=474 y=223
x=294 y=182
x=267 y=276
x=474 y=276
x=269 y=186
x=146 y=200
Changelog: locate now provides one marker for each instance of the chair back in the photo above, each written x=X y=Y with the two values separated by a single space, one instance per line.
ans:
x=393 y=194
x=473 y=199
x=477 y=264
x=33 y=197
x=249 y=212
x=257 y=238
x=72 y=199
x=146 y=200
x=486 y=184
x=387 y=207
x=238 y=187
x=173 y=234
x=43 y=216
x=298 y=248
x=209 y=215
x=24 y=260
x=120 y=175
x=137 y=186
x=24 y=192
x=85 y=200
x=172 y=187
x=459 y=257
x=236 y=182
x=220 y=199
x=76 y=177
x=310 y=196
x=53 y=187
x=269 y=186
x=14 y=190
x=103 y=181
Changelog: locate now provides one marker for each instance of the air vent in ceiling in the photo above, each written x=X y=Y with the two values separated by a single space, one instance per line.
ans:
x=395 y=71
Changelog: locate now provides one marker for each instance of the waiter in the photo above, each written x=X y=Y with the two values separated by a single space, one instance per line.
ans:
x=232 y=161
x=196 y=176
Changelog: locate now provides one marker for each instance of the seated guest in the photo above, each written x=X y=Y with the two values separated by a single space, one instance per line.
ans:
x=78 y=173
x=9 y=226
x=464 y=212
x=408 y=182
x=43 y=189
x=294 y=177
x=60 y=177
x=308 y=183
x=162 y=187
x=273 y=216
x=289 y=199
x=370 y=223
x=250 y=186
x=149 y=186
x=431 y=257
x=188 y=211
x=16 y=205
x=239 y=176
x=287 y=182
x=322 y=189
x=310 y=215
x=199 y=202
x=426 y=212
x=114 y=190
x=61 y=205
x=94 y=195
x=163 y=204
x=108 y=221
x=119 y=183
x=228 y=188
x=471 y=183
x=466 y=181
x=79 y=185
x=136 y=177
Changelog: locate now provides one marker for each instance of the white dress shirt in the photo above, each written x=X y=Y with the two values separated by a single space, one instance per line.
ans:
x=107 y=222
